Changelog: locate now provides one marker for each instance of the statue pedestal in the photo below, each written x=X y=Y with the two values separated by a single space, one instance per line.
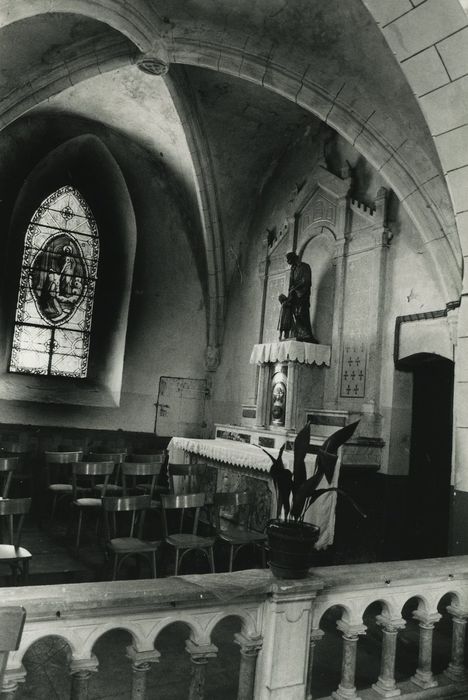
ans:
x=286 y=381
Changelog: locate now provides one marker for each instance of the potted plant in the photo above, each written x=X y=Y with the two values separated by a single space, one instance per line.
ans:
x=291 y=540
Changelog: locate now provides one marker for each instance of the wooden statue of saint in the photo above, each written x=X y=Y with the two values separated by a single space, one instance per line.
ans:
x=294 y=319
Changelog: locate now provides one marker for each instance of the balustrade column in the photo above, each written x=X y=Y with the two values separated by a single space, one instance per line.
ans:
x=423 y=676
x=351 y=633
x=456 y=670
x=386 y=685
x=199 y=655
x=141 y=664
x=11 y=680
x=249 y=648
x=315 y=636
x=81 y=670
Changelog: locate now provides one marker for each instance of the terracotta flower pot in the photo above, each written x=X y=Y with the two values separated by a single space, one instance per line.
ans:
x=291 y=547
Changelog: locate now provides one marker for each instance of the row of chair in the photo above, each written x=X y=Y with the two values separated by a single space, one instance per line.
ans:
x=183 y=540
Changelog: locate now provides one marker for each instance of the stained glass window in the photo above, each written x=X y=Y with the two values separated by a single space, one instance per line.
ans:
x=56 y=291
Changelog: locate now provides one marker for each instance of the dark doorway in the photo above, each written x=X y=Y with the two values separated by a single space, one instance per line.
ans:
x=430 y=456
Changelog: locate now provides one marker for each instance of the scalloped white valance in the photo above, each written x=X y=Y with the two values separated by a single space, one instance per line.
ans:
x=292 y=350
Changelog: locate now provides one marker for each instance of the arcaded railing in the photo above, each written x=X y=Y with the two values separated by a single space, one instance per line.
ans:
x=281 y=626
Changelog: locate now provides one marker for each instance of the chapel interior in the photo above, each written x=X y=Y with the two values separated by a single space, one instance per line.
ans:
x=198 y=143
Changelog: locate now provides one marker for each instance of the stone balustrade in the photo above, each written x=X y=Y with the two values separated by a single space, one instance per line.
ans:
x=280 y=631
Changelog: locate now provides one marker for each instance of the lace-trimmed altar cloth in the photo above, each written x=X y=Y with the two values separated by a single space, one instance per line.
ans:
x=294 y=350
x=241 y=454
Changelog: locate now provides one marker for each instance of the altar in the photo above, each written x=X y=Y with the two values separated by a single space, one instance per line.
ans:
x=237 y=465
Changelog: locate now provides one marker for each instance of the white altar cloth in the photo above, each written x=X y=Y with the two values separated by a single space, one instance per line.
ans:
x=293 y=350
x=241 y=454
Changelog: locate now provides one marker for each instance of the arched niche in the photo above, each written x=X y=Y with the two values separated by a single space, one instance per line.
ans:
x=85 y=163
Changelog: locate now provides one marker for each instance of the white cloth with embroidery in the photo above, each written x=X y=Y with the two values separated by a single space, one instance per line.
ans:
x=241 y=454
x=293 y=350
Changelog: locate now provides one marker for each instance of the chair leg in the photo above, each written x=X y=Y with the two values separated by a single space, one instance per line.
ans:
x=114 y=569
x=25 y=574
x=231 y=557
x=78 y=531
x=176 y=570
x=211 y=560
x=153 y=564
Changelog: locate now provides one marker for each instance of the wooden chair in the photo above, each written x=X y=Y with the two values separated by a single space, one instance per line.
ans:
x=84 y=476
x=125 y=539
x=12 y=620
x=22 y=475
x=12 y=513
x=8 y=465
x=114 y=486
x=58 y=475
x=237 y=534
x=162 y=482
x=190 y=477
x=184 y=542
x=134 y=472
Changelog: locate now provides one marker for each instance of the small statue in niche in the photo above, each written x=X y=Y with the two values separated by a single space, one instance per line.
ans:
x=278 y=403
x=294 y=320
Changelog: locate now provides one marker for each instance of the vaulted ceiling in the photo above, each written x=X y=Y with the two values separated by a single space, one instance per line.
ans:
x=253 y=76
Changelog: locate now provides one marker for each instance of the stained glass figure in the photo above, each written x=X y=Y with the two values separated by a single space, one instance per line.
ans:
x=56 y=292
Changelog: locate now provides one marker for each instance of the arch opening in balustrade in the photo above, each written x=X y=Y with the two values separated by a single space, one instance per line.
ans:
x=115 y=667
x=46 y=662
x=326 y=667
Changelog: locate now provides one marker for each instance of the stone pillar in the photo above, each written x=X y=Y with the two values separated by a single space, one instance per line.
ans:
x=283 y=660
x=315 y=636
x=249 y=648
x=11 y=680
x=291 y=397
x=351 y=633
x=386 y=685
x=423 y=676
x=141 y=664
x=80 y=671
x=199 y=655
x=456 y=669
x=261 y=418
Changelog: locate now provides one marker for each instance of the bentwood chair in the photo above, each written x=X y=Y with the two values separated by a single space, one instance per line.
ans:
x=189 y=477
x=12 y=513
x=85 y=476
x=162 y=483
x=7 y=466
x=12 y=620
x=185 y=541
x=114 y=487
x=58 y=473
x=237 y=532
x=124 y=521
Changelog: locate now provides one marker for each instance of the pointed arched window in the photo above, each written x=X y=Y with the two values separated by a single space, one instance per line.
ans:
x=56 y=290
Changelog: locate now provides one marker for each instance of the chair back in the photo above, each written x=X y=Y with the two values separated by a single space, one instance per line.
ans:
x=132 y=472
x=115 y=507
x=190 y=477
x=91 y=473
x=11 y=629
x=7 y=467
x=182 y=502
x=58 y=465
x=12 y=513
x=158 y=457
x=234 y=506
x=116 y=458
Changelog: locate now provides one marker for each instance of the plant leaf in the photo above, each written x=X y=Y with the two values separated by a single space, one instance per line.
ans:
x=320 y=492
x=305 y=491
x=325 y=464
x=284 y=488
x=301 y=446
x=339 y=437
